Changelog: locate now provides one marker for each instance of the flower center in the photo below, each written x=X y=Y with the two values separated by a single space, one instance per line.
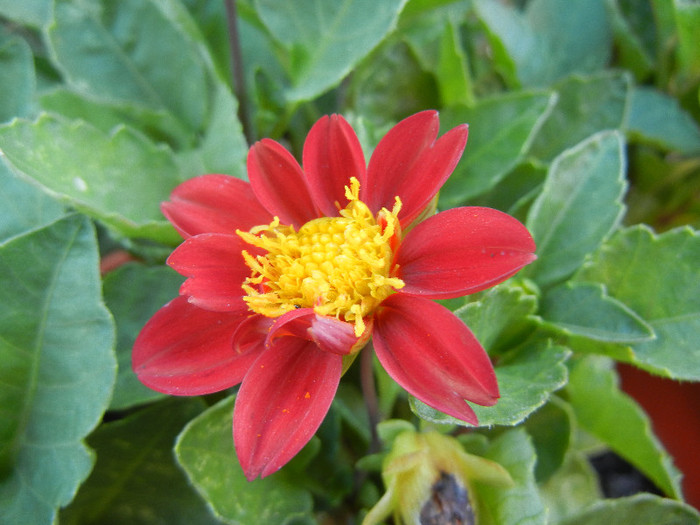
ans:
x=339 y=266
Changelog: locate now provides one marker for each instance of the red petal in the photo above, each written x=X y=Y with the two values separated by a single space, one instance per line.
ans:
x=433 y=355
x=282 y=402
x=214 y=204
x=332 y=154
x=216 y=270
x=410 y=163
x=330 y=334
x=279 y=184
x=333 y=335
x=184 y=350
x=461 y=251
x=251 y=332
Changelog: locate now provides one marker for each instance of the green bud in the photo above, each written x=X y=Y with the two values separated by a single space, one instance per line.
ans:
x=428 y=477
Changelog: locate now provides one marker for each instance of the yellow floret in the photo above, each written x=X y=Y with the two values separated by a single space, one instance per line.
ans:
x=339 y=266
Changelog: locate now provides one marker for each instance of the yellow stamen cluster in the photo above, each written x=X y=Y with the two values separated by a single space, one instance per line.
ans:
x=339 y=266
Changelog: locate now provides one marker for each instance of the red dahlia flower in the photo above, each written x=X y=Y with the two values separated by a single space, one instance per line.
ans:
x=289 y=276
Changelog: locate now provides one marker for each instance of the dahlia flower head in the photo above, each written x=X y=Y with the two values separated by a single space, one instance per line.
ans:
x=290 y=275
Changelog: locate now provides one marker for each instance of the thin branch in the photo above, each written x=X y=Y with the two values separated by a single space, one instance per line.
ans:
x=237 y=74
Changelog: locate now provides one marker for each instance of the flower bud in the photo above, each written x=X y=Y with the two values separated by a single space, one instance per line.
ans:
x=429 y=479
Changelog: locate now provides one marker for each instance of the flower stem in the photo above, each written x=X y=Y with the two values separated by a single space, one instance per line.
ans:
x=237 y=74
x=369 y=393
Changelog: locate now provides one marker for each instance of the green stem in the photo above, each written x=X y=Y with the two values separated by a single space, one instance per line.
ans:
x=369 y=393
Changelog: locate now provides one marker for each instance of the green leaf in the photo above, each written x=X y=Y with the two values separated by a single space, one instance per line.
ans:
x=35 y=13
x=664 y=189
x=614 y=418
x=501 y=130
x=526 y=379
x=120 y=178
x=585 y=309
x=634 y=30
x=157 y=125
x=74 y=106
x=56 y=366
x=17 y=79
x=516 y=191
x=323 y=467
x=452 y=71
x=687 y=16
x=373 y=87
x=584 y=345
x=630 y=265
x=642 y=509
x=265 y=75
x=388 y=390
x=24 y=207
x=500 y=316
x=210 y=20
x=586 y=105
x=574 y=486
x=435 y=40
x=133 y=293
x=205 y=451
x=325 y=40
x=510 y=38
x=130 y=52
x=349 y=403
x=550 y=40
x=656 y=118
x=136 y=480
x=580 y=205
x=222 y=148
x=664 y=13
x=520 y=504
x=550 y=429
